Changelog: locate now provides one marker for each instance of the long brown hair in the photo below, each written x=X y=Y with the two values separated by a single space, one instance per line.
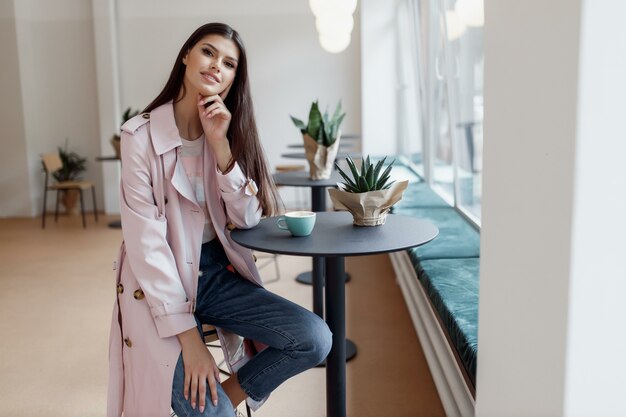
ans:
x=242 y=132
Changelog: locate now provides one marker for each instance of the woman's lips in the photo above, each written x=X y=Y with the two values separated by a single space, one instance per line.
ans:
x=210 y=78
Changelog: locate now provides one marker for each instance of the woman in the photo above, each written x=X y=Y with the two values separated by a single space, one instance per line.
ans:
x=192 y=168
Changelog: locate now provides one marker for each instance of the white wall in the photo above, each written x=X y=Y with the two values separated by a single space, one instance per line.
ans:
x=14 y=184
x=53 y=95
x=550 y=339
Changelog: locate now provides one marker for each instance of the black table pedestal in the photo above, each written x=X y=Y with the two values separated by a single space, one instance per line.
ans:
x=335 y=317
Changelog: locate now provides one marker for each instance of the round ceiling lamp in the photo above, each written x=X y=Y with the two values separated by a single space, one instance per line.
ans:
x=335 y=43
x=334 y=23
x=330 y=24
x=325 y=7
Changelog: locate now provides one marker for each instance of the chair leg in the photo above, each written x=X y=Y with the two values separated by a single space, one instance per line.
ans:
x=56 y=209
x=82 y=208
x=43 y=211
x=95 y=206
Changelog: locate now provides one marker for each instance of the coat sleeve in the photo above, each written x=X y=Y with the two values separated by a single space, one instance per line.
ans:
x=144 y=228
x=240 y=197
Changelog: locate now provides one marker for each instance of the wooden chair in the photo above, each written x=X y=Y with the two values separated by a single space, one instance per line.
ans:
x=51 y=163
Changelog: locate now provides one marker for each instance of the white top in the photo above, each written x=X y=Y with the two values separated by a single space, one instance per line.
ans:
x=192 y=159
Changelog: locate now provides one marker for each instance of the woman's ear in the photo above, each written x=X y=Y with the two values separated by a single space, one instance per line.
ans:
x=185 y=57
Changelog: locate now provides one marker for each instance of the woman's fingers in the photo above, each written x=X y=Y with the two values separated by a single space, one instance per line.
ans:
x=202 y=392
x=213 y=388
x=186 y=384
x=194 y=391
x=204 y=100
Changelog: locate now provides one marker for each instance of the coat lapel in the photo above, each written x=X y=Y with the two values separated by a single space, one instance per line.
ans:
x=165 y=138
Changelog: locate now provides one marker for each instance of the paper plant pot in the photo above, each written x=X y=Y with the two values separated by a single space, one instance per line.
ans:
x=321 y=158
x=370 y=208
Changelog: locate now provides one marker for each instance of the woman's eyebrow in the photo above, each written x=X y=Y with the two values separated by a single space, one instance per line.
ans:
x=215 y=49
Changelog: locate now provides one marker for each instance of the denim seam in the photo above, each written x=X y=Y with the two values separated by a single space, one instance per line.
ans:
x=181 y=405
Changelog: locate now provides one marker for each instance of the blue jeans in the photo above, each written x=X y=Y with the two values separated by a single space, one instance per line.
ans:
x=296 y=338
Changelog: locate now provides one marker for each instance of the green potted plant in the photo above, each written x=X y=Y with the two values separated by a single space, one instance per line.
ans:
x=129 y=113
x=367 y=192
x=73 y=167
x=321 y=139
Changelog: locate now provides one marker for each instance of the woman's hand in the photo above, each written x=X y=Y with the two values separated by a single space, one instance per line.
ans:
x=199 y=367
x=215 y=120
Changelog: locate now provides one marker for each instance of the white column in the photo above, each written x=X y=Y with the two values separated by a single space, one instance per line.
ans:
x=596 y=355
x=109 y=101
x=552 y=279
x=378 y=77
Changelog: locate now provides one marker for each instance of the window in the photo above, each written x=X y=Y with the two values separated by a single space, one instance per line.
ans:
x=447 y=63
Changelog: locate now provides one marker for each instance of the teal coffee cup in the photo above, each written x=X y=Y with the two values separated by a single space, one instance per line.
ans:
x=299 y=223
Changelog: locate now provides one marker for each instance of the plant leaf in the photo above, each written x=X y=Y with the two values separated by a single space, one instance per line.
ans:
x=379 y=165
x=299 y=124
x=365 y=165
x=386 y=187
x=355 y=173
x=363 y=187
x=369 y=177
x=337 y=113
x=315 y=121
x=345 y=176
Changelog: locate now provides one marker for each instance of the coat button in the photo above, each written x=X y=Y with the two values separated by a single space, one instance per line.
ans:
x=230 y=226
x=146 y=115
x=128 y=342
x=120 y=288
x=139 y=295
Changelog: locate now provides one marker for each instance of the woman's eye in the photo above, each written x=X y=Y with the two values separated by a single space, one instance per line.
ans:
x=230 y=65
x=207 y=51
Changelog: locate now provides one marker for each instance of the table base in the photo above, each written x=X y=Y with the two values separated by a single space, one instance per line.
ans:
x=306 y=278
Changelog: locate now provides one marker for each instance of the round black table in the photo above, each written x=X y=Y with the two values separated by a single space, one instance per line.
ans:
x=115 y=224
x=334 y=237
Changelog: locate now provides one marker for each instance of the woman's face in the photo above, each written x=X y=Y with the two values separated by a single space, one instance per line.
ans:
x=211 y=66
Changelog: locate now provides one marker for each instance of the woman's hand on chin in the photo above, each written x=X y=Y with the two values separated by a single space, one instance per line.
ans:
x=215 y=119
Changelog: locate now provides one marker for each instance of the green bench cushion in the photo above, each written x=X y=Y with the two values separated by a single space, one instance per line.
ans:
x=456 y=239
x=419 y=194
x=452 y=287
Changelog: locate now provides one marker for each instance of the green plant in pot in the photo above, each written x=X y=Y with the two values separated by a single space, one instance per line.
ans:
x=367 y=192
x=321 y=137
x=73 y=167
x=128 y=114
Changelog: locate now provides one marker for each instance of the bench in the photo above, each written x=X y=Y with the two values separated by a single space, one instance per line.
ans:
x=440 y=282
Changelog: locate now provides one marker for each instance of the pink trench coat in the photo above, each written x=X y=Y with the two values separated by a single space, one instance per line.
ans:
x=158 y=263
